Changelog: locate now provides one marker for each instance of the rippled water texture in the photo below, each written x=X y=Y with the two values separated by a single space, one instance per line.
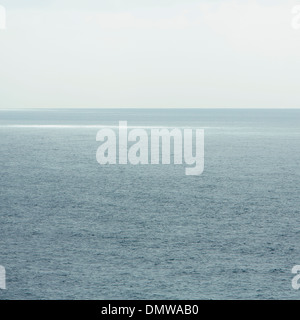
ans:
x=72 y=229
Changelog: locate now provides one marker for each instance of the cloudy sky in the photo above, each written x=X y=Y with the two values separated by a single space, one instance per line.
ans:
x=150 y=53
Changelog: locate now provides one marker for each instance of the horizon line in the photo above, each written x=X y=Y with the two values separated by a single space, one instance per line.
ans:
x=150 y=108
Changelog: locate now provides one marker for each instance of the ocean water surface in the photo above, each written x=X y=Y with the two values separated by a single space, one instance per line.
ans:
x=73 y=229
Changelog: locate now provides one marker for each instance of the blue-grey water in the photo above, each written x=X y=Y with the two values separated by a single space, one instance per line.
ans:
x=73 y=229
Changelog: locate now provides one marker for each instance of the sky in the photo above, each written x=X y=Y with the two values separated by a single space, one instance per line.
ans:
x=150 y=54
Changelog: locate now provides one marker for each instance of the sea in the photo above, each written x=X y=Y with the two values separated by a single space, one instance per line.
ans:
x=71 y=228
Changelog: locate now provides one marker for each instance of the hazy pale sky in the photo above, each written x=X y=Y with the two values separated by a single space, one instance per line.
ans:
x=150 y=53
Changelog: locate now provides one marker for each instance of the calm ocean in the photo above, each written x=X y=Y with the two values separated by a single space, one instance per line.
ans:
x=73 y=229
